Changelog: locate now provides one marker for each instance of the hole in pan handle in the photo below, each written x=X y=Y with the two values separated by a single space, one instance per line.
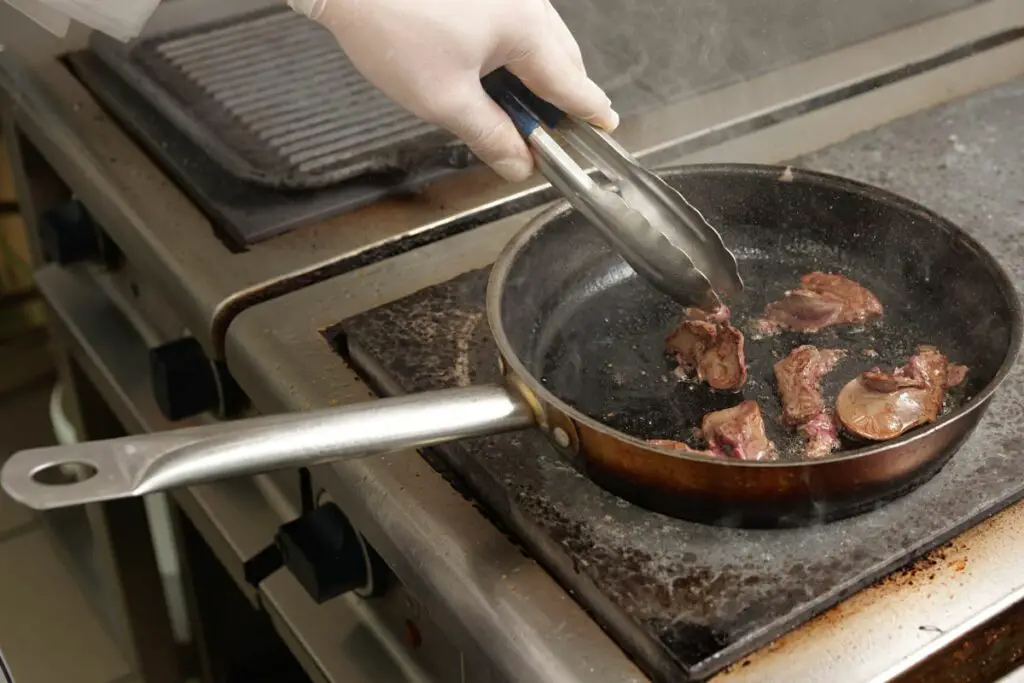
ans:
x=60 y=476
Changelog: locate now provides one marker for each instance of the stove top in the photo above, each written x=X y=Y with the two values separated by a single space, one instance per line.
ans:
x=683 y=598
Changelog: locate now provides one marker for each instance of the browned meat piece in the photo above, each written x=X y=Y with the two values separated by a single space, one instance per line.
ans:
x=798 y=377
x=823 y=299
x=738 y=432
x=859 y=304
x=801 y=310
x=821 y=435
x=711 y=352
x=882 y=405
x=887 y=382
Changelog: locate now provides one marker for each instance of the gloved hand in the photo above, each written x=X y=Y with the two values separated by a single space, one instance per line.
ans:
x=429 y=57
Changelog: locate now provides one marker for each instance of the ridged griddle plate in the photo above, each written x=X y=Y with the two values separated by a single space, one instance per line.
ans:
x=273 y=99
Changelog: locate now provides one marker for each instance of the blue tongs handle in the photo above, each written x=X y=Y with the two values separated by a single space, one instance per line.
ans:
x=526 y=110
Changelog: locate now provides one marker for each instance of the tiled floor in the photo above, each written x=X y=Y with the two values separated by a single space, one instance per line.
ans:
x=48 y=633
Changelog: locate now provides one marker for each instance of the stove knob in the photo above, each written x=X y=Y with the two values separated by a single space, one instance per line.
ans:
x=326 y=554
x=186 y=382
x=183 y=379
x=67 y=234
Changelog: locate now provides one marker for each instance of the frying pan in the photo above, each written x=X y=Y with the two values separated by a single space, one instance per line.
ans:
x=581 y=340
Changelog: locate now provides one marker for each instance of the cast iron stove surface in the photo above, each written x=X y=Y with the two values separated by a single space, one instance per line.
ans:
x=687 y=599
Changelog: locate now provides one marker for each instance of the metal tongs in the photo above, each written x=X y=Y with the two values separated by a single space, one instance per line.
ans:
x=665 y=239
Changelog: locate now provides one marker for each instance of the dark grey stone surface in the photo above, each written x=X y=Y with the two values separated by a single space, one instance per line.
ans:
x=703 y=596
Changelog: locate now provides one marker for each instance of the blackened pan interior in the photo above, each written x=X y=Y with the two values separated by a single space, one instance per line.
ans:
x=578 y=318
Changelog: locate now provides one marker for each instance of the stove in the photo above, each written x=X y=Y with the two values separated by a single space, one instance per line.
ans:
x=480 y=584
x=873 y=597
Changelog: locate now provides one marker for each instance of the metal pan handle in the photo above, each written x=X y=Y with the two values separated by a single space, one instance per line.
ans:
x=60 y=476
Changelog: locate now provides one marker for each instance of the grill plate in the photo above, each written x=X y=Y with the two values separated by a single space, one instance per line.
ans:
x=272 y=99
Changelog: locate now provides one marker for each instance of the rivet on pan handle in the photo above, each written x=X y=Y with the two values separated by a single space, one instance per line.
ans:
x=559 y=427
x=563 y=431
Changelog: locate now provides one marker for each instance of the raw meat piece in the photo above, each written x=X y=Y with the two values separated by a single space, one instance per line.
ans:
x=738 y=432
x=798 y=377
x=821 y=435
x=881 y=405
x=711 y=352
x=823 y=299
x=719 y=316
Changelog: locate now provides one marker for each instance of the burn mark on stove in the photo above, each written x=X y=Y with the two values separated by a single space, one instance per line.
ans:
x=924 y=568
x=691 y=638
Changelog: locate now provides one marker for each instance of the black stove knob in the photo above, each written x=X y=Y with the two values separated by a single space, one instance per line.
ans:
x=183 y=377
x=187 y=383
x=67 y=234
x=325 y=553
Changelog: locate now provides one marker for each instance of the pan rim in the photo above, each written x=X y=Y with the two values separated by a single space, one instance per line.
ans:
x=499 y=275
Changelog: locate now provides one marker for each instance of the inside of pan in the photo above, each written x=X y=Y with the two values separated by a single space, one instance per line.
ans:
x=582 y=322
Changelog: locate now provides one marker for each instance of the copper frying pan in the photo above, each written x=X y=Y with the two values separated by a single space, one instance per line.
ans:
x=580 y=338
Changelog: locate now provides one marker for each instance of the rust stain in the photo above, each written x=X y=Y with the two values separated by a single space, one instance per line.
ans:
x=958 y=565
x=944 y=562
x=921 y=570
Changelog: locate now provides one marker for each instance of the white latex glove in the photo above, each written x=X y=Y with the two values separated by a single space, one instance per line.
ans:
x=429 y=57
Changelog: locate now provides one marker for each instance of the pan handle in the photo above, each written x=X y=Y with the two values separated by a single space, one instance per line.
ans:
x=60 y=476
